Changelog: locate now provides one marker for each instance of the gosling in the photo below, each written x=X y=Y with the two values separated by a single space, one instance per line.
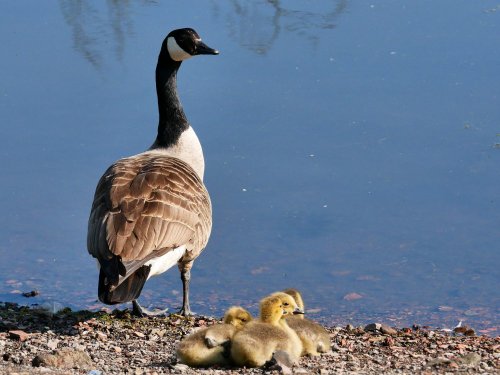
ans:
x=315 y=339
x=258 y=341
x=210 y=346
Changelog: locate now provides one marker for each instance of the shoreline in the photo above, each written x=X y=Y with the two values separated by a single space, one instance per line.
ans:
x=34 y=341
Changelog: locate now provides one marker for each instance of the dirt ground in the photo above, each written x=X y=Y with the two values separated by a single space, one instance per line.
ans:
x=37 y=342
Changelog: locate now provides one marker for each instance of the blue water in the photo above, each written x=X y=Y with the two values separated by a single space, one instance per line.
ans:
x=351 y=147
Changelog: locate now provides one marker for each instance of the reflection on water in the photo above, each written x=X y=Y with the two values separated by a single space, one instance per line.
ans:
x=256 y=25
x=95 y=29
x=253 y=25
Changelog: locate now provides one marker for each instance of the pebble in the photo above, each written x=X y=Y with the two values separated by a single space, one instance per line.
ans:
x=373 y=327
x=18 y=335
x=388 y=330
x=52 y=344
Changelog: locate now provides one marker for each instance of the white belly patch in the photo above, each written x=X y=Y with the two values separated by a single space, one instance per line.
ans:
x=163 y=263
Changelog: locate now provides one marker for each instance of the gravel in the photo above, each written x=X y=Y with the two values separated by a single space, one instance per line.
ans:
x=98 y=343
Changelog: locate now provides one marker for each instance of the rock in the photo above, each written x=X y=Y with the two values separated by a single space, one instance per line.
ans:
x=389 y=341
x=470 y=359
x=52 y=344
x=301 y=370
x=65 y=359
x=388 y=330
x=352 y=296
x=33 y=293
x=139 y=334
x=181 y=367
x=19 y=335
x=373 y=327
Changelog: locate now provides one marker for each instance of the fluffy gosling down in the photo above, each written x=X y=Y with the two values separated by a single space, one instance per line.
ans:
x=210 y=346
x=258 y=341
x=315 y=339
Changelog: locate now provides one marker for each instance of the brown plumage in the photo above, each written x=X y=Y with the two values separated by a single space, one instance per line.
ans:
x=146 y=204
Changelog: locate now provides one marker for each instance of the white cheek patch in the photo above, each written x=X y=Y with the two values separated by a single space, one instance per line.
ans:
x=175 y=51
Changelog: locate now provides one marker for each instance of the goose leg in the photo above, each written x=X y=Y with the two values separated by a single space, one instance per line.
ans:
x=186 y=278
x=141 y=312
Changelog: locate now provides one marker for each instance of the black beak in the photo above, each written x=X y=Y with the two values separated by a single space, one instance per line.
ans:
x=298 y=311
x=203 y=49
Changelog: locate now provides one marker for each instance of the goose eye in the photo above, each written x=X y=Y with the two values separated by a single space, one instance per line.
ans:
x=286 y=304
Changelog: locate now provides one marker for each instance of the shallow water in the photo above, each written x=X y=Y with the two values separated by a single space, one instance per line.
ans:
x=351 y=147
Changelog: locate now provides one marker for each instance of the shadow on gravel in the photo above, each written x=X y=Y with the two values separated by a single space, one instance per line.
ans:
x=31 y=320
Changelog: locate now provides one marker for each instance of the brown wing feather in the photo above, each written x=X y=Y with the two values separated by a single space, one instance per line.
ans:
x=146 y=203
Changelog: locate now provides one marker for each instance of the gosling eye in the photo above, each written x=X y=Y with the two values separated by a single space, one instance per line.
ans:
x=286 y=304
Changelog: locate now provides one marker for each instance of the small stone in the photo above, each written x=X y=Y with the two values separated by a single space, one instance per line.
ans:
x=453 y=365
x=18 y=335
x=117 y=349
x=373 y=327
x=302 y=370
x=349 y=327
x=352 y=296
x=52 y=344
x=388 y=330
x=389 y=341
x=181 y=367
x=139 y=334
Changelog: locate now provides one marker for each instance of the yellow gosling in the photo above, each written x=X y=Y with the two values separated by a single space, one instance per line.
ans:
x=315 y=339
x=256 y=343
x=209 y=346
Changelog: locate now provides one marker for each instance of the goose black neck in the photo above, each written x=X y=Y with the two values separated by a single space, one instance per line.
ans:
x=172 y=120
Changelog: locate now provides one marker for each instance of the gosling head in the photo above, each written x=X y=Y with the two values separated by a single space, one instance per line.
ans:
x=288 y=303
x=276 y=306
x=237 y=316
x=296 y=296
x=182 y=44
x=271 y=310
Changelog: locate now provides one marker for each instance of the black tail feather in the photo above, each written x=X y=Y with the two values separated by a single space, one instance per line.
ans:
x=128 y=290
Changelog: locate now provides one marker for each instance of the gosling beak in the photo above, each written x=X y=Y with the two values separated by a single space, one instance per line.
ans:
x=203 y=49
x=298 y=311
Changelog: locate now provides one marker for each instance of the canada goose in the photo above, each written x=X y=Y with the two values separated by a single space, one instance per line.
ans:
x=152 y=210
x=315 y=339
x=210 y=346
x=256 y=343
